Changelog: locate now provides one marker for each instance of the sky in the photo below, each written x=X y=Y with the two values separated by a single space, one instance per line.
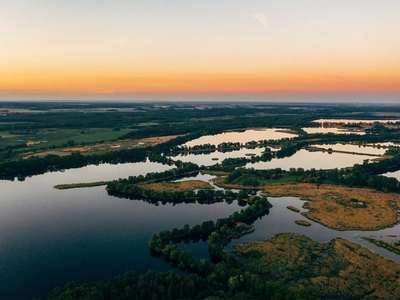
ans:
x=174 y=49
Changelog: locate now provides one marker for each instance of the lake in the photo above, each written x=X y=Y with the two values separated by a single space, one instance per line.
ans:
x=49 y=237
x=308 y=160
x=354 y=148
x=302 y=159
x=241 y=137
x=208 y=159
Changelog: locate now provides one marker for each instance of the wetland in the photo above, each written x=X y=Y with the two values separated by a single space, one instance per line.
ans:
x=159 y=203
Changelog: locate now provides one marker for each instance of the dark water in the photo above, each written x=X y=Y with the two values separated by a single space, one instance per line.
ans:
x=50 y=237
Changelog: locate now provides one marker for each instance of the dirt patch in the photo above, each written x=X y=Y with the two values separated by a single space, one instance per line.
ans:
x=29 y=143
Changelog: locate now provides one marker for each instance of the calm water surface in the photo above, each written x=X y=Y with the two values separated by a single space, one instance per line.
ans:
x=367 y=149
x=354 y=121
x=49 y=237
x=308 y=160
x=311 y=130
x=393 y=174
x=241 y=137
x=212 y=158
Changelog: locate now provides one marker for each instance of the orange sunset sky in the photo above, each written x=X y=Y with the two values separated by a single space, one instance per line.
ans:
x=91 y=49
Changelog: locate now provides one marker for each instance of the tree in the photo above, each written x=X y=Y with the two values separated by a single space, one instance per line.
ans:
x=207 y=227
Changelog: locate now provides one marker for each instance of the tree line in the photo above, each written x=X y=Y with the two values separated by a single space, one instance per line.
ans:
x=50 y=163
x=360 y=175
x=223 y=279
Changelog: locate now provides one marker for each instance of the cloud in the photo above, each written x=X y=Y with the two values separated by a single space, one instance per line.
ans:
x=262 y=18
x=107 y=92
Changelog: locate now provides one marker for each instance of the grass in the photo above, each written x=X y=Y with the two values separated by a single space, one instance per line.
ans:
x=392 y=247
x=293 y=208
x=103 y=147
x=284 y=179
x=79 y=185
x=216 y=173
x=177 y=186
x=86 y=141
x=302 y=223
x=55 y=138
x=334 y=206
x=338 y=269
x=338 y=207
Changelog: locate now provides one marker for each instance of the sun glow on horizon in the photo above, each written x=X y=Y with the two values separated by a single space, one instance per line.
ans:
x=202 y=48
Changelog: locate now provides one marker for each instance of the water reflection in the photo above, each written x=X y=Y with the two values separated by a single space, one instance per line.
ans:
x=216 y=157
x=393 y=174
x=49 y=237
x=355 y=121
x=308 y=160
x=241 y=137
x=365 y=149
x=387 y=144
x=335 y=130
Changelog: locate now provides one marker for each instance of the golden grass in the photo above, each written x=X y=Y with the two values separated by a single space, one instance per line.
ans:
x=302 y=223
x=293 y=208
x=383 y=157
x=79 y=185
x=177 y=186
x=220 y=181
x=392 y=247
x=103 y=147
x=216 y=173
x=336 y=269
x=331 y=205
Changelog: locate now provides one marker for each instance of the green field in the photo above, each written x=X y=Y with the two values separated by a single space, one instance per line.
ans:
x=284 y=178
x=55 y=138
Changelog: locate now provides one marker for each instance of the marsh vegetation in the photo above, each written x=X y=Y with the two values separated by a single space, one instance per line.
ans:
x=335 y=269
x=353 y=195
